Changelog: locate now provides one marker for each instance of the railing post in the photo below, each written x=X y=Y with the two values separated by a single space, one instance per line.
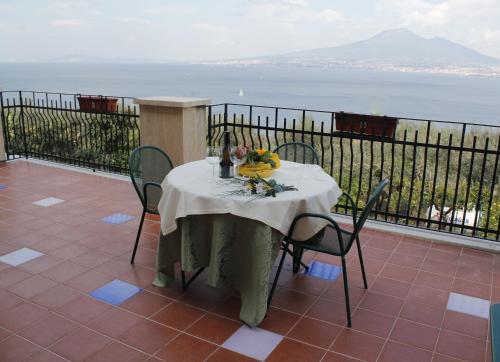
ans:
x=3 y=126
x=225 y=117
x=209 y=124
x=177 y=125
x=23 y=129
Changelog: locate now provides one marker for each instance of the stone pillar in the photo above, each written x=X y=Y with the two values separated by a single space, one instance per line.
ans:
x=177 y=125
x=3 y=155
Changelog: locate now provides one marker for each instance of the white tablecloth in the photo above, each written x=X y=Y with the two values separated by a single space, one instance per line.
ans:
x=187 y=190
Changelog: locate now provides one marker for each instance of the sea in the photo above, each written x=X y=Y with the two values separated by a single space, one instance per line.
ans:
x=415 y=95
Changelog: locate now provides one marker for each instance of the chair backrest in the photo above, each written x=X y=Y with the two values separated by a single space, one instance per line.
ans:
x=297 y=152
x=372 y=200
x=149 y=164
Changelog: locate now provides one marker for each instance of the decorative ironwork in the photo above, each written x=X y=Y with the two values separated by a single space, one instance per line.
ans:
x=443 y=175
x=62 y=127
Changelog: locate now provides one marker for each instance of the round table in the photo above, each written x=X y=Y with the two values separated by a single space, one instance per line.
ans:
x=204 y=224
x=189 y=190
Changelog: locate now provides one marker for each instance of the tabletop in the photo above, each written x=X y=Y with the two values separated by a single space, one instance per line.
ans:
x=189 y=189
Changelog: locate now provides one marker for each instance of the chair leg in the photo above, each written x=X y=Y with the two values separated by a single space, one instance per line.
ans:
x=360 y=254
x=138 y=236
x=305 y=266
x=185 y=284
x=297 y=259
x=346 y=292
x=277 y=276
x=183 y=277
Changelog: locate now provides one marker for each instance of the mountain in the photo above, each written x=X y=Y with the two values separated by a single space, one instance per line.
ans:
x=398 y=49
x=401 y=46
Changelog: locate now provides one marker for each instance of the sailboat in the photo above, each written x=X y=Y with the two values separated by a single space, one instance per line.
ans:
x=241 y=92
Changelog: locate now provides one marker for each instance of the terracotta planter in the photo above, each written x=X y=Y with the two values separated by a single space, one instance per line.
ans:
x=97 y=104
x=366 y=124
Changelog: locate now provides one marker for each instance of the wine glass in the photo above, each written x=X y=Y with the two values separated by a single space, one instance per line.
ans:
x=238 y=156
x=213 y=158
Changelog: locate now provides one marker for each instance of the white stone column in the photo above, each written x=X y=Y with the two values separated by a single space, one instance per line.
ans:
x=177 y=125
x=3 y=155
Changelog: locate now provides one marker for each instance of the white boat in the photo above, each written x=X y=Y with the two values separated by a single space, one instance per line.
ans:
x=241 y=92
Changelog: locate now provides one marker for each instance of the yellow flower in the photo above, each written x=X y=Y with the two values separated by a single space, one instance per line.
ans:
x=261 y=151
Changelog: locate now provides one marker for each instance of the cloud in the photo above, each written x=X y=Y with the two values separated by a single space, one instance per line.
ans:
x=472 y=23
x=490 y=36
x=6 y=7
x=74 y=7
x=215 y=34
x=440 y=13
x=292 y=3
x=129 y=20
x=330 y=15
x=300 y=3
x=292 y=14
x=242 y=27
x=171 y=9
x=68 y=23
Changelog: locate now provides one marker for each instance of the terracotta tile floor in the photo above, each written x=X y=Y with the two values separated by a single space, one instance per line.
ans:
x=46 y=312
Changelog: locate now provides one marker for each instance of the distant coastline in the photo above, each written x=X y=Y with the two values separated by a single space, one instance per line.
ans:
x=487 y=71
x=448 y=97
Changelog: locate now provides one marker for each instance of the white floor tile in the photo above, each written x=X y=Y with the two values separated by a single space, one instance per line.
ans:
x=253 y=342
x=49 y=201
x=20 y=256
x=469 y=305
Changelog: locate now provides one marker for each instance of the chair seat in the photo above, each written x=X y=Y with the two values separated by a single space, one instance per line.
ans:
x=495 y=331
x=329 y=241
x=326 y=241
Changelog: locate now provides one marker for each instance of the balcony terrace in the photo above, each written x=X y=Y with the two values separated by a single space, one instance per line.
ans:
x=69 y=292
x=48 y=314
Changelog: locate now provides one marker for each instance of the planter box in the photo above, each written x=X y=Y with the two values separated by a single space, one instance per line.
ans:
x=97 y=104
x=366 y=124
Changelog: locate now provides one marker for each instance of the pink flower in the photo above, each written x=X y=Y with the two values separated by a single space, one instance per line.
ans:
x=241 y=151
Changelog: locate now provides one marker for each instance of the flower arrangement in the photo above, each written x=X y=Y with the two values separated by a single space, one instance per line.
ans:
x=265 y=188
x=260 y=155
x=259 y=162
x=257 y=187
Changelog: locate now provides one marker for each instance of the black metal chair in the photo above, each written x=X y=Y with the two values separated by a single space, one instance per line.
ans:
x=334 y=241
x=148 y=166
x=297 y=152
x=302 y=153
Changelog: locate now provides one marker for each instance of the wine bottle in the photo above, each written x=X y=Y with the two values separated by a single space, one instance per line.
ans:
x=226 y=165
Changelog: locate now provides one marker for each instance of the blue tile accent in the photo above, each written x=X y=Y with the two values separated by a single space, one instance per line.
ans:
x=323 y=270
x=117 y=218
x=115 y=292
x=3 y=187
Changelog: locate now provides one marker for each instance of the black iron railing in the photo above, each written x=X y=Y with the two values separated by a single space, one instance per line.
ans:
x=88 y=131
x=444 y=175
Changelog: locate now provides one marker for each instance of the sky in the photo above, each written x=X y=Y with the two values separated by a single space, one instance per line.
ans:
x=175 y=30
